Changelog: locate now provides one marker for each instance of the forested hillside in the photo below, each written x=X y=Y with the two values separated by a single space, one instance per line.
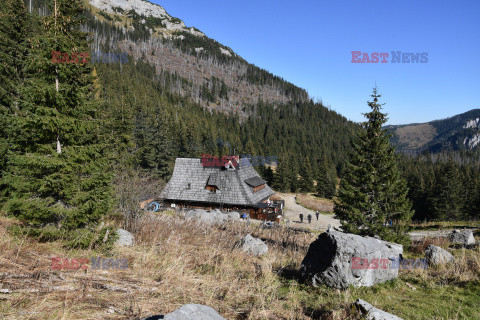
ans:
x=68 y=128
x=207 y=72
x=169 y=100
x=186 y=102
x=441 y=162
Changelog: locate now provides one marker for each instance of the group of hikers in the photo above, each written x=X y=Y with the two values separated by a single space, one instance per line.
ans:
x=309 y=217
x=389 y=223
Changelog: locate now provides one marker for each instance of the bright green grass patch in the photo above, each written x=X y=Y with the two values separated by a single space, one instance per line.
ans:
x=427 y=301
x=436 y=225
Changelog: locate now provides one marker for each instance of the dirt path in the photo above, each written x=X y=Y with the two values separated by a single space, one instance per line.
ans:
x=292 y=211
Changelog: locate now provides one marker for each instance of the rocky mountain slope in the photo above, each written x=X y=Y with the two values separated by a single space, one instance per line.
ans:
x=207 y=71
x=460 y=132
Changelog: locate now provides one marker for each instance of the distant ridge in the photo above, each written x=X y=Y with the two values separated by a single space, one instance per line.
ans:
x=459 y=132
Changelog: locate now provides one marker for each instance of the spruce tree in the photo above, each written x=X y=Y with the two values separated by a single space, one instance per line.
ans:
x=249 y=148
x=325 y=186
x=155 y=145
x=268 y=174
x=372 y=191
x=306 y=174
x=447 y=201
x=15 y=29
x=472 y=193
x=280 y=178
x=292 y=173
x=57 y=171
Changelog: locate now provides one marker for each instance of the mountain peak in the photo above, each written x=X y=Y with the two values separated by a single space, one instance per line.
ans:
x=145 y=9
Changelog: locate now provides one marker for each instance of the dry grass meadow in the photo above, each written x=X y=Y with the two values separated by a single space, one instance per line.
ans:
x=314 y=203
x=176 y=262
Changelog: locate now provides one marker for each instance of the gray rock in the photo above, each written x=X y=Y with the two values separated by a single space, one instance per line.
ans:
x=463 y=237
x=253 y=245
x=213 y=217
x=125 y=238
x=190 y=312
x=234 y=215
x=372 y=313
x=338 y=260
x=436 y=255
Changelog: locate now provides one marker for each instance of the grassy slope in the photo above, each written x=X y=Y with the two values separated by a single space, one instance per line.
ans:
x=176 y=263
x=312 y=202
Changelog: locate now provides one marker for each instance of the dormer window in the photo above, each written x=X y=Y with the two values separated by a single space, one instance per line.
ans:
x=258 y=188
x=212 y=189
x=256 y=183
x=213 y=182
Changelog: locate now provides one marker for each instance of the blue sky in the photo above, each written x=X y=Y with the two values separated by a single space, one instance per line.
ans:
x=309 y=43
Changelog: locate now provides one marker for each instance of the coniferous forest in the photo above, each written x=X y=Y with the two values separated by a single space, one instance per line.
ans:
x=66 y=130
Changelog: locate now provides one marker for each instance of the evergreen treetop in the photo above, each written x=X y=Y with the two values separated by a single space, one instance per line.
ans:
x=372 y=193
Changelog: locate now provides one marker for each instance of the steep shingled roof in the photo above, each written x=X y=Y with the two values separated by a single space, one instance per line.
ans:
x=232 y=186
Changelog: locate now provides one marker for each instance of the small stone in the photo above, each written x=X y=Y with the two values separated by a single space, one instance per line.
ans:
x=372 y=313
x=194 y=311
x=125 y=238
x=252 y=245
x=190 y=312
x=410 y=286
x=463 y=237
x=437 y=256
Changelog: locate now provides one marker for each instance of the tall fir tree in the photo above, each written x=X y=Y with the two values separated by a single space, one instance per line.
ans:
x=446 y=199
x=325 y=186
x=15 y=28
x=249 y=149
x=306 y=176
x=292 y=173
x=57 y=171
x=372 y=191
x=267 y=174
x=280 y=178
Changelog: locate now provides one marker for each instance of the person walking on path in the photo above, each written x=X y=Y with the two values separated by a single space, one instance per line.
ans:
x=309 y=217
x=317 y=214
x=301 y=217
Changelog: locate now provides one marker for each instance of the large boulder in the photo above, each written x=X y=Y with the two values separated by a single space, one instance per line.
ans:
x=338 y=260
x=372 y=313
x=212 y=217
x=436 y=255
x=463 y=237
x=190 y=312
x=252 y=245
x=125 y=238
